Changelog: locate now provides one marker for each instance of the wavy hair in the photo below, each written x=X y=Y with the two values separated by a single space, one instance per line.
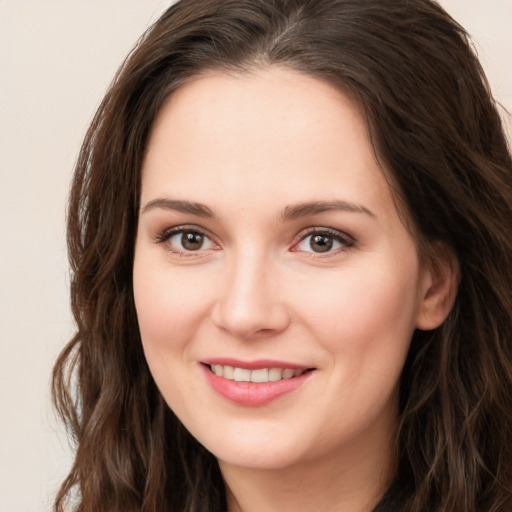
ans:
x=437 y=135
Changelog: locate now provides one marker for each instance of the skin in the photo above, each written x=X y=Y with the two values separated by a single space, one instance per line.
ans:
x=249 y=147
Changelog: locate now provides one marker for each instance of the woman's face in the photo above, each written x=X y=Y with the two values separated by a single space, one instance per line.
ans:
x=269 y=250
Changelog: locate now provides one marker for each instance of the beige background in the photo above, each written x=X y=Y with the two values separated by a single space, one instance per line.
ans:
x=56 y=59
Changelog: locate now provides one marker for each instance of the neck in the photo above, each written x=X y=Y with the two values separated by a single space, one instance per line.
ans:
x=342 y=481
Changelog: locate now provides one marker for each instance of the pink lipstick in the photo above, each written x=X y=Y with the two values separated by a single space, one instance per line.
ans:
x=254 y=383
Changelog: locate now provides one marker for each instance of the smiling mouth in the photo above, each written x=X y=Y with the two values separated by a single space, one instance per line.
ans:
x=259 y=375
x=254 y=383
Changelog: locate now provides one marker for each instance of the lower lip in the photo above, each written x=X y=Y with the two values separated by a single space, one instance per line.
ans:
x=252 y=394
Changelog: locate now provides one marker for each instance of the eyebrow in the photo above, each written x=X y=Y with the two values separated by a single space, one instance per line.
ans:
x=180 y=206
x=296 y=211
x=291 y=212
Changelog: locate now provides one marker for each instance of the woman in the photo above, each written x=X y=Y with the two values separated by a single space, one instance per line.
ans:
x=290 y=230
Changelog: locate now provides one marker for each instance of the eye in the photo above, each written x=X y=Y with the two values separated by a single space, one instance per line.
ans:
x=186 y=240
x=323 y=241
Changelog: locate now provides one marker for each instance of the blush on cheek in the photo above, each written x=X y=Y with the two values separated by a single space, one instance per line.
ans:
x=366 y=314
x=168 y=312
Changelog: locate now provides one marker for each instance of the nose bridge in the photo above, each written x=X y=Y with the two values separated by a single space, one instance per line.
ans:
x=249 y=302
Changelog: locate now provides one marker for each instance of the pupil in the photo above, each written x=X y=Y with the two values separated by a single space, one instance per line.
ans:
x=192 y=241
x=321 y=243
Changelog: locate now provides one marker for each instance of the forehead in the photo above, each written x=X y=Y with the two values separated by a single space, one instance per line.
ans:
x=272 y=134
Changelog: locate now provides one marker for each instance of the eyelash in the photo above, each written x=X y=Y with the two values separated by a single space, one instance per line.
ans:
x=345 y=240
x=167 y=234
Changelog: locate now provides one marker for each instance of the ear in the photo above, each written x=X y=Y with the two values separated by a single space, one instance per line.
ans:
x=440 y=282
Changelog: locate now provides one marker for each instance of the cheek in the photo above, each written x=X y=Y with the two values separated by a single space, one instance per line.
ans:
x=365 y=325
x=165 y=297
x=156 y=310
x=169 y=305
x=366 y=315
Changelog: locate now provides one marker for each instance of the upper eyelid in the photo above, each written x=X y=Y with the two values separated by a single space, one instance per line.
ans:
x=165 y=234
x=344 y=239
x=318 y=229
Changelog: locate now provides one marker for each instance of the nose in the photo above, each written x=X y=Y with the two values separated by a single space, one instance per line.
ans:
x=249 y=303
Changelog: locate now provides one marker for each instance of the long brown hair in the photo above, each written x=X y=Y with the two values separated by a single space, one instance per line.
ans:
x=436 y=132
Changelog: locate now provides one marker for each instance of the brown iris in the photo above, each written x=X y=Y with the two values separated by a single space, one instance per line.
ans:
x=321 y=243
x=192 y=241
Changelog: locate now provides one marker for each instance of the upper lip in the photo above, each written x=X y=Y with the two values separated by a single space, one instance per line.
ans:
x=254 y=364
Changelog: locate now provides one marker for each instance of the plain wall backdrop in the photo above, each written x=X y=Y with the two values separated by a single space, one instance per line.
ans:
x=56 y=61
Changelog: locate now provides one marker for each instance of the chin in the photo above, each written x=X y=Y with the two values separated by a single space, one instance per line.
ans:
x=268 y=459
x=253 y=447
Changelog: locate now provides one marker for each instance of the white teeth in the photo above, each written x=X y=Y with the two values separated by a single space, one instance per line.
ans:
x=242 y=375
x=259 y=375
x=228 y=372
x=275 y=374
x=288 y=374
